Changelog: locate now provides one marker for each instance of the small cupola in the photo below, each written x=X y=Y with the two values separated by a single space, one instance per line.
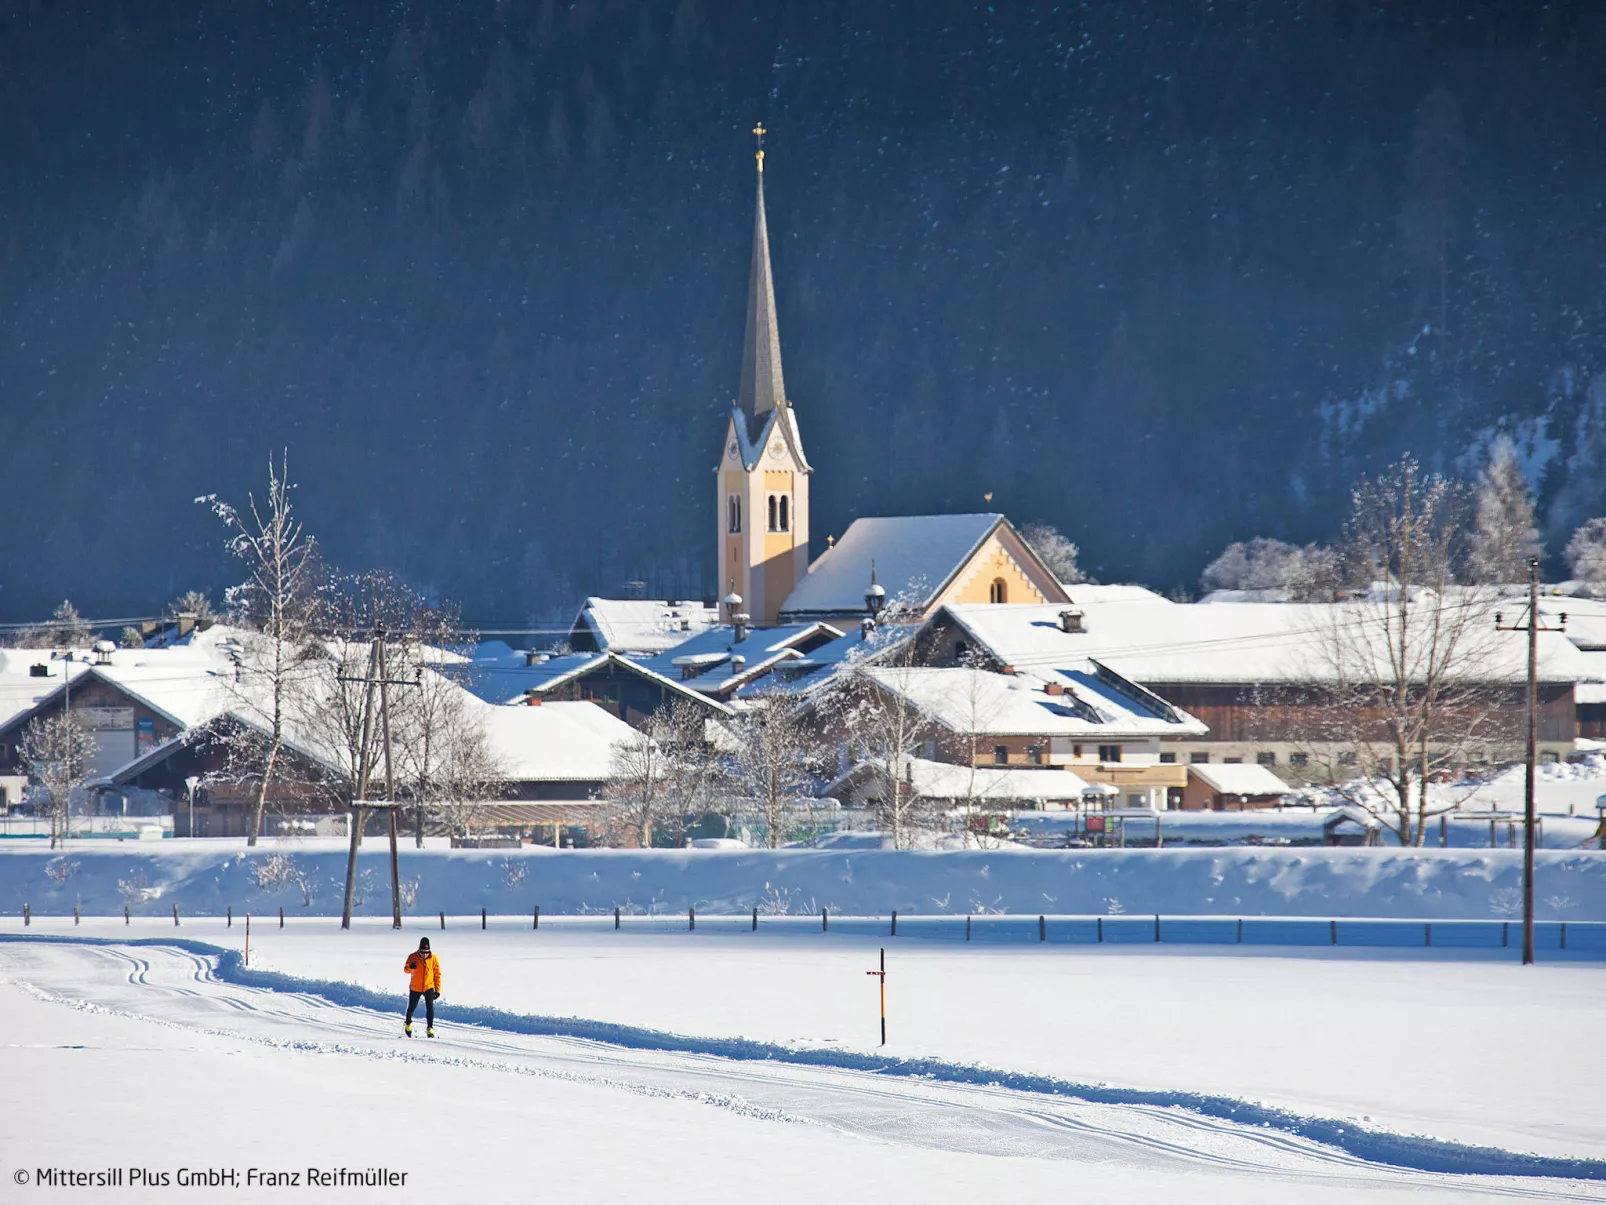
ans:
x=876 y=596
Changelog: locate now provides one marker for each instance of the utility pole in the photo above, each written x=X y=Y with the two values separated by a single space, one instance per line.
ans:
x=376 y=676
x=1533 y=627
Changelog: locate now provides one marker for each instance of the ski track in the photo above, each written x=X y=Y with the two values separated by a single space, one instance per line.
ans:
x=196 y=987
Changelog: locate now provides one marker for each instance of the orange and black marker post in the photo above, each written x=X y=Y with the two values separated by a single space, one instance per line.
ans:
x=882 y=975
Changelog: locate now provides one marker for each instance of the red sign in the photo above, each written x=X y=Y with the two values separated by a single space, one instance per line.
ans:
x=1095 y=824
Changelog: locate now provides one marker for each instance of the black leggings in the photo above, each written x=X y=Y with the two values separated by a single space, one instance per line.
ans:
x=429 y=1006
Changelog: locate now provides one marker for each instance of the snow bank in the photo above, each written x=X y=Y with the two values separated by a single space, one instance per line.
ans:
x=304 y=877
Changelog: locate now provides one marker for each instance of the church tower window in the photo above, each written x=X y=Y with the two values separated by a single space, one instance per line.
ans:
x=998 y=592
x=733 y=512
x=785 y=526
x=774 y=523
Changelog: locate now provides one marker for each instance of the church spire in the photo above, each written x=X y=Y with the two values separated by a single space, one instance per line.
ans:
x=762 y=388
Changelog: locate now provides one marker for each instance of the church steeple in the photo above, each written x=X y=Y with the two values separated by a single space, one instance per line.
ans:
x=762 y=388
x=763 y=474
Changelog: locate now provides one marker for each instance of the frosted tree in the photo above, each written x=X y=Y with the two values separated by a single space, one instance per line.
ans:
x=1503 y=535
x=773 y=764
x=66 y=629
x=1300 y=572
x=1586 y=552
x=55 y=751
x=637 y=790
x=1055 y=551
x=274 y=605
x=191 y=602
x=1408 y=693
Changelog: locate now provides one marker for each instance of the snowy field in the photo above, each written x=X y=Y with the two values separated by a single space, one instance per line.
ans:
x=207 y=877
x=577 y=1063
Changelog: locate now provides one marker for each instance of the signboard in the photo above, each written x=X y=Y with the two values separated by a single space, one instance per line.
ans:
x=144 y=736
x=105 y=719
x=1095 y=824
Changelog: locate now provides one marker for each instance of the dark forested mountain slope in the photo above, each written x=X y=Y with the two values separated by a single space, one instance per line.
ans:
x=1163 y=274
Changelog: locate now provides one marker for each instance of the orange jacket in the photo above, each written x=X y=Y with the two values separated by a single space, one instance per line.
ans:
x=426 y=972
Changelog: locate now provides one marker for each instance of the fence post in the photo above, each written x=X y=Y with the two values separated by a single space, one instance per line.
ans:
x=27 y=916
x=75 y=913
x=482 y=918
x=691 y=919
x=1427 y=933
x=443 y=920
x=1505 y=933
x=825 y=920
x=616 y=916
x=175 y=916
x=1042 y=928
x=230 y=925
x=1101 y=928
x=1156 y=928
x=894 y=922
x=537 y=923
x=125 y=914
x=967 y=928
x=1564 y=935
x=1240 y=930
x=281 y=916
x=755 y=919
x=1332 y=927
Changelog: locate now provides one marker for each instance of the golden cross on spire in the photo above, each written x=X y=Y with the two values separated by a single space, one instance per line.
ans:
x=759 y=132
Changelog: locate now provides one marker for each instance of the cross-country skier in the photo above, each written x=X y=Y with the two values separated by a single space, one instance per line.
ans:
x=425 y=969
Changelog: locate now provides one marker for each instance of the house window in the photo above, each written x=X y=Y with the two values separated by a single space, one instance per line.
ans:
x=1299 y=759
x=1135 y=799
x=1199 y=759
x=774 y=520
x=1034 y=755
x=733 y=513
x=1001 y=755
x=1232 y=761
x=998 y=592
x=1168 y=759
x=1109 y=753
x=786 y=518
x=1265 y=759
x=1076 y=751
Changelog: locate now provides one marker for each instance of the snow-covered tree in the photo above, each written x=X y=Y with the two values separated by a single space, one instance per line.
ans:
x=773 y=763
x=274 y=604
x=1055 y=551
x=1298 y=571
x=55 y=751
x=191 y=602
x=66 y=629
x=637 y=791
x=1503 y=535
x=1586 y=552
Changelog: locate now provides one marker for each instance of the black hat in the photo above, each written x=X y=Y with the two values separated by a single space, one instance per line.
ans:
x=423 y=943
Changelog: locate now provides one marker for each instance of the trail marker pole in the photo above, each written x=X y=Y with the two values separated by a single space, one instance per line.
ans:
x=882 y=975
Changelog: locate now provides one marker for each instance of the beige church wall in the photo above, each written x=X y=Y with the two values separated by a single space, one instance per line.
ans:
x=992 y=562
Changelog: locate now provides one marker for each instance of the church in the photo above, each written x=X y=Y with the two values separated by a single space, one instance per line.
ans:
x=762 y=511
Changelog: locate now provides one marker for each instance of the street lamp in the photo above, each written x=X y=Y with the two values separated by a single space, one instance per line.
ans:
x=192 y=782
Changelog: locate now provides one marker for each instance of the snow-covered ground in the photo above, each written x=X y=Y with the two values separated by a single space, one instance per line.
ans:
x=159 y=1057
x=207 y=877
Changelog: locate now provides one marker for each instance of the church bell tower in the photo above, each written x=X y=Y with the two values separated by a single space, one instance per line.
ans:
x=763 y=476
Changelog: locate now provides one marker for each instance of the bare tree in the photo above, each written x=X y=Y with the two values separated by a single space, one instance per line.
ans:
x=274 y=602
x=1410 y=667
x=1055 y=551
x=773 y=762
x=978 y=707
x=55 y=750
x=444 y=753
x=1503 y=535
x=637 y=790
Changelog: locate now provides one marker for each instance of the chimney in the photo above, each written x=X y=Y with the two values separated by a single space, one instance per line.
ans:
x=39 y=671
x=1054 y=688
x=532 y=699
x=1071 y=620
x=1008 y=669
x=739 y=620
x=530 y=657
x=738 y=664
x=186 y=623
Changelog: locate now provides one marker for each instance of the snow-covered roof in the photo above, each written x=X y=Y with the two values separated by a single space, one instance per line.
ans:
x=501 y=675
x=644 y=626
x=1090 y=704
x=1088 y=592
x=1242 y=643
x=914 y=556
x=555 y=742
x=942 y=780
x=708 y=657
x=1586 y=617
x=20 y=692
x=1247 y=778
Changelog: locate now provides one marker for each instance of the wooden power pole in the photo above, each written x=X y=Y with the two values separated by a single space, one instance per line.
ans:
x=1532 y=625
